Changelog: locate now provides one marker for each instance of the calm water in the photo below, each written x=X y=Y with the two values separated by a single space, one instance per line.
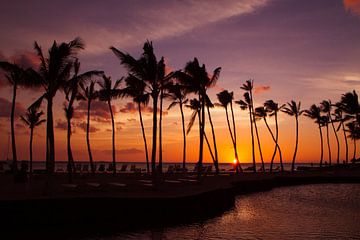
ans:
x=329 y=211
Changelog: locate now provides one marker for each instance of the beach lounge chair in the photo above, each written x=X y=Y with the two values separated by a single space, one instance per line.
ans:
x=134 y=169
x=123 y=168
x=170 y=169
x=93 y=186
x=110 y=168
x=116 y=185
x=101 y=168
x=70 y=187
x=85 y=168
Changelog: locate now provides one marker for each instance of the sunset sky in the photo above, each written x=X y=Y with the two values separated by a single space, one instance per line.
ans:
x=305 y=51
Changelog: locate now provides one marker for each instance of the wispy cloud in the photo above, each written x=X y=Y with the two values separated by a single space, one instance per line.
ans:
x=123 y=23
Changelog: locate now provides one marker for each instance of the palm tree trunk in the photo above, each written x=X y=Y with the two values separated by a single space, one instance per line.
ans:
x=12 y=120
x=216 y=162
x=92 y=166
x=30 y=150
x=296 y=144
x=160 y=131
x=202 y=131
x=328 y=143
x=69 y=152
x=113 y=138
x=238 y=166
x=276 y=146
x=209 y=147
x=144 y=138
x=50 y=142
x=184 y=134
x=337 y=140
x=346 y=143
x=232 y=140
x=259 y=145
x=321 y=147
x=277 y=141
x=153 y=151
x=354 y=156
x=252 y=140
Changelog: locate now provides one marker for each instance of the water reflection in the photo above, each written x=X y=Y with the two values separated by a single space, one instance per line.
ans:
x=303 y=212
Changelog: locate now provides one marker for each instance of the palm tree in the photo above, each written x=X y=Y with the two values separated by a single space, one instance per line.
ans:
x=196 y=79
x=272 y=108
x=248 y=86
x=244 y=105
x=326 y=108
x=89 y=94
x=106 y=93
x=32 y=120
x=135 y=88
x=293 y=109
x=195 y=105
x=354 y=134
x=314 y=112
x=209 y=105
x=72 y=92
x=341 y=118
x=225 y=98
x=54 y=72
x=152 y=72
x=16 y=76
x=177 y=93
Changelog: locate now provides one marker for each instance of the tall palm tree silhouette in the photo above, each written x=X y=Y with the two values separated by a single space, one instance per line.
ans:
x=107 y=92
x=342 y=118
x=89 y=94
x=226 y=98
x=314 y=112
x=177 y=93
x=248 y=86
x=197 y=80
x=54 y=72
x=135 y=88
x=326 y=107
x=152 y=72
x=16 y=76
x=244 y=105
x=32 y=119
x=354 y=133
x=195 y=105
x=72 y=93
x=272 y=108
x=209 y=105
x=293 y=109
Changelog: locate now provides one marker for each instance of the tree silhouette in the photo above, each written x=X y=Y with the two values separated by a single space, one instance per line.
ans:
x=195 y=105
x=106 y=93
x=54 y=72
x=225 y=98
x=354 y=133
x=248 y=86
x=314 y=112
x=342 y=118
x=152 y=72
x=72 y=93
x=177 y=93
x=196 y=79
x=135 y=88
x=17 y=76
x=32 y=119
x=244 y=105
x=293 y=109
x=272 y=108
x=326 y=107
x=89 y=94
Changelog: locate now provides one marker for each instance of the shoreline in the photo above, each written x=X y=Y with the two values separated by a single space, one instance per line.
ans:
x=139 y=206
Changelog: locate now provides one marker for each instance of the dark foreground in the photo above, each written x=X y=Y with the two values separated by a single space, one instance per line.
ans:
x=93 y=205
